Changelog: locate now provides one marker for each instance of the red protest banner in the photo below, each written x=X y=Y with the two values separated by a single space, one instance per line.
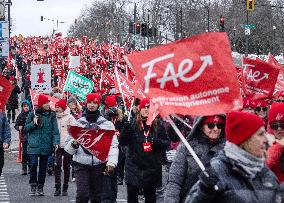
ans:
x=193 y=76
x=5 y=91
x=97 y=142
x=126 y=86
x=259 y=78
x=34 y=99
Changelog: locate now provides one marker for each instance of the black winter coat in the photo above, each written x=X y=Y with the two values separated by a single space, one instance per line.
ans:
x=20 y=121
x=143 y=169
x=236 y=187
x=13 y=99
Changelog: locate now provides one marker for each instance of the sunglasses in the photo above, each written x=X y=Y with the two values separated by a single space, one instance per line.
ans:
x=276 y=125
x=258 y=109
x=212 y=125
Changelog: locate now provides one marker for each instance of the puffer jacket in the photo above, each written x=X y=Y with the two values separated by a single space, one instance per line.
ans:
x=143 y=169
x=184 y=170
x=42 y=137
x=236 y=187
x=82 y=156
x=5 y=131
x=63 y=121
x=275 y=160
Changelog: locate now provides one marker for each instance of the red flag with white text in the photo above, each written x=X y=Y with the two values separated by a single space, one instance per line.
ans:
x=5 y=91
x=34 y=99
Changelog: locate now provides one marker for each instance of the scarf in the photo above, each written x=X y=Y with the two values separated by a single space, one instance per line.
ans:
x=250 y=164
x=92 y=116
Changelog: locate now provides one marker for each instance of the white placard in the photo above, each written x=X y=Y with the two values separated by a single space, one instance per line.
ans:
x=41 y=78
x=74 y=62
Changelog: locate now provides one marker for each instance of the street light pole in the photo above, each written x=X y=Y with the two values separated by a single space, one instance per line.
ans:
x=234 y=41
x=208 y=17
x=273 y=44
x=247 y=39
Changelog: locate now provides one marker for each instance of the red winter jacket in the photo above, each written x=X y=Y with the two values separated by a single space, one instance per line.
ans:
x=274 y=160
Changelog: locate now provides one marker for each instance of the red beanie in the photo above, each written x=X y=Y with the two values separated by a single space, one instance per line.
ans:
x=143 y=103
x=241 y=125
x=276 y=112
x=249 y=102
x=94 y=97
x=11 y=78
x=110 y=101
x=261 y=103
x=42 y=99
x=281 y=94
x=61 y=103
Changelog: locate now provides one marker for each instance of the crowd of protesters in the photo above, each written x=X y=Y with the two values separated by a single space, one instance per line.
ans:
x=243 y=152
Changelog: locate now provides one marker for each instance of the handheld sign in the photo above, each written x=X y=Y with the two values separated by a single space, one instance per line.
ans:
x=41 y=78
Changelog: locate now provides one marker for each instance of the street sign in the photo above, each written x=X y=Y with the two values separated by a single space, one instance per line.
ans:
x=247 y=31
x=4 y=48
x=2 y=9
x=4 y=30
x=248 y=25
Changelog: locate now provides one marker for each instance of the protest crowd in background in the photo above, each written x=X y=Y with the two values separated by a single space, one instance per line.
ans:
x=88 y=114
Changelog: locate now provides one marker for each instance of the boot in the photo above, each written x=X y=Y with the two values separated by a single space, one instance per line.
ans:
x=57 y=190
x=24 y=170
x=33 y=189
x=40 y=190
x=64 y=190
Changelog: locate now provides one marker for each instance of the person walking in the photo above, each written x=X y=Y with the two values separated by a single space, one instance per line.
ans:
x=207 y=138
x=89 y=170
x=20 y=123
x=62 y=158
x=13 y=103
x=239 y=173
x=43 y=138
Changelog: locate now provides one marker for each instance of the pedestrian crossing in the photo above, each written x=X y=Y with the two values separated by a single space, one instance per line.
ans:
x=4 y=195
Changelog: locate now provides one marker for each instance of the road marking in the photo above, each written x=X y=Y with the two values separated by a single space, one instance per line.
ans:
x=4 y=195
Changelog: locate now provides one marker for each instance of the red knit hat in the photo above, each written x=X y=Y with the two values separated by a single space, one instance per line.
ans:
x=241 y=125
x=281 y=93
x=276 y=112
x=61 y=103
x=248 y=102
x=143 y=103
x=261 y=103
x=42 y=99
x=95 y=97
x=11 y=78
x=110 y=101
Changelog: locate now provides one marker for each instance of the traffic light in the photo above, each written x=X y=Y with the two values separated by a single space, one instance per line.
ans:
x=137 y=28
x=222 y=23
x=144 y=29
x=250 y=5
x=130 y=29
x=41 y=18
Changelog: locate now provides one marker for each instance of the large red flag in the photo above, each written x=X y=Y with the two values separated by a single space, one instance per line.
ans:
x=97 y=142
x=193 y=76
x=5 y=91
x=259 y=78
x=34 y=99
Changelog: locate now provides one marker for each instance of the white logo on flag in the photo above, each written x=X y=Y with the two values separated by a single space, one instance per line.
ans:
x=279 y=116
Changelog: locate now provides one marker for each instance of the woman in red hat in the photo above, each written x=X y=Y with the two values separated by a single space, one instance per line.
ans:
x=145 y=145
x=238 y=173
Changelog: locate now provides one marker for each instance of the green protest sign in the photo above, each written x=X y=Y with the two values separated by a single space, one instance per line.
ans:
x=78 y=85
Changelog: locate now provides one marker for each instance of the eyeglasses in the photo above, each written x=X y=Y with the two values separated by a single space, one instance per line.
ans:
x=212 y=125
x=258 y=109
x=276 y=125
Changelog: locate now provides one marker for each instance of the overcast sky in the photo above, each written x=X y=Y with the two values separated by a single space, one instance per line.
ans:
x=26 y=15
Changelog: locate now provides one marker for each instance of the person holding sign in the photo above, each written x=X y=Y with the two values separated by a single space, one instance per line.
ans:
x=207 y=138
x=238 y=173
x=146 y=143
x=89 y=168
x=43 y=138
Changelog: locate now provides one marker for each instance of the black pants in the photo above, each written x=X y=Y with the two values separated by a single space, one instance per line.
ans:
x=121 y=163
x=133 y=191
x=35 y=161
x=1 y=158
x=9 y=114
x=25 y=156
x=89 y=182
x=61 y=156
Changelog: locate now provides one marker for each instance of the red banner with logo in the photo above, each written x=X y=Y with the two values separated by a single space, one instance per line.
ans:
x=34 y=98
x=97 y=142
x=259 y=78
x=193 y=76
x=5 y=91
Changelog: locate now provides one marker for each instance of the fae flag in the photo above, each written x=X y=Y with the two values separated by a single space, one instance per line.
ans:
x=34 y=99
x=259 y=78
x=96 y=141
x=78 y=85
x=193 y=76
x=5 y=91
x=41 y=78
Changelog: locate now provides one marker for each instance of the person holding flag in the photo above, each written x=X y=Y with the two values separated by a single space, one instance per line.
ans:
x=239 y=173
x=146 y=144
x=89 y=169
x=43 y=138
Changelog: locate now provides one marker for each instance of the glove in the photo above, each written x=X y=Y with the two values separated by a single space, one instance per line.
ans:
x=109 y=170
x=208 y=181
x=171 y=155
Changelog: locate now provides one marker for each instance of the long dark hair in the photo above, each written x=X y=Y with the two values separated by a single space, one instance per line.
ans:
x=139 y=119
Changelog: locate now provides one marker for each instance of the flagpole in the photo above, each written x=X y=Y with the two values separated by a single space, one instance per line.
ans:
x=119 y=86
x=189 y=148
x=181 y=120
x=101 y=80
x=129 y=116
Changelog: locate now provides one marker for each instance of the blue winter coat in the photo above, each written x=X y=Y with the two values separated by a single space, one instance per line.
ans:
x=5 y=131
x=42 y=138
